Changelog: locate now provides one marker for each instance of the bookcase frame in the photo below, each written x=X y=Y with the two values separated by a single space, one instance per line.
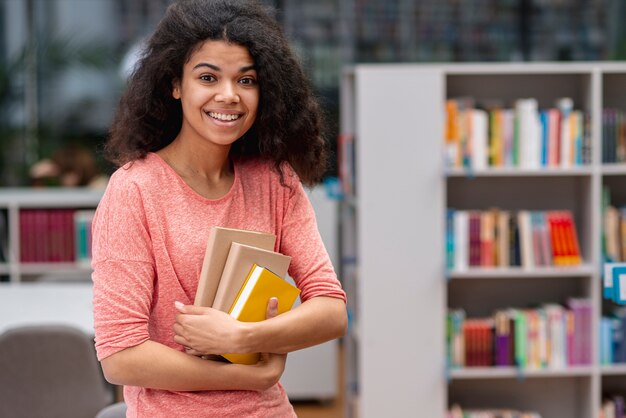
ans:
x=393 y=237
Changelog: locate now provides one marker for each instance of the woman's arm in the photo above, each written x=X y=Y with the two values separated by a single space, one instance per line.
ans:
x=209 y=331
x=316 y=321
x=157 y=366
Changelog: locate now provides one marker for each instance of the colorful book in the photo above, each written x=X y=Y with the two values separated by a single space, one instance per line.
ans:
x=217 y=249
x=503 y=339
x=250 y=305
x=240 y=260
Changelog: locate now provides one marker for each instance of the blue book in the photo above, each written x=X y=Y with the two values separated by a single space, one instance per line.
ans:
x=619 y=284
x=544 y=120
x=606 y=341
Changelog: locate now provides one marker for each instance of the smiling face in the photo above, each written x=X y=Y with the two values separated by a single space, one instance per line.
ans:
x=219 y=94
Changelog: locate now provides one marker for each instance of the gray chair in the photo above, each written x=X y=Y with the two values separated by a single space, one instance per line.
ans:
x=117 y=410
x=50 y=371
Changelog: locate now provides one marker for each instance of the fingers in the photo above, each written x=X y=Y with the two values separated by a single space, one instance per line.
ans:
x=181 y=340
x=272 y=308
x=193 y=352
x=190 y=309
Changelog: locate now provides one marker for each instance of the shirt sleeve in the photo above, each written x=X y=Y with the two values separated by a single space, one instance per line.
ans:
x=310 y=266
x=123 y=269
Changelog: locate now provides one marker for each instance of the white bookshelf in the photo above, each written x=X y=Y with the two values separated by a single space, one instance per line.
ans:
x=14 y=200
x=399 y=288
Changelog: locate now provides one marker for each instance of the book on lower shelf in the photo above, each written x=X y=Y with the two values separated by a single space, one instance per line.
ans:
x=613 y=337
x=250 y=304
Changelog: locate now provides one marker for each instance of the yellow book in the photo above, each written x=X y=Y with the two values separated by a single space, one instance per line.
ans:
x=250 y=305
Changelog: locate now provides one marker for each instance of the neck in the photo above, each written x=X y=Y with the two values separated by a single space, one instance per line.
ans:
x=191 y=162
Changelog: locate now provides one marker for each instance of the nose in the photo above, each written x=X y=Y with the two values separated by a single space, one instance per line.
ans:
x=227 y=94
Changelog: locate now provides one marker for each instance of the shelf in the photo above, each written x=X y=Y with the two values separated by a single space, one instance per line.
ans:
x=613 y=370
x=515 y=373
x=616 y=169
x=521 y=172
x=583 y=270
x=50 y=197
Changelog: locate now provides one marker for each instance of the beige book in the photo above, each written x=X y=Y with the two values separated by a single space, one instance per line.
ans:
x=217 y=249
x=241 y=259
x=503 y=239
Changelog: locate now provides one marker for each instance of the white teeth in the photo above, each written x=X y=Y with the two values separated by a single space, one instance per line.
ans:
x=222 y=116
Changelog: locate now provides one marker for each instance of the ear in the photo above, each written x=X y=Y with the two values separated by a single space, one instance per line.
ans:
x=176 y=89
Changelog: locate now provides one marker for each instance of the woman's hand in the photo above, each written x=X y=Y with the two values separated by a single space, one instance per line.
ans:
x=206 y=330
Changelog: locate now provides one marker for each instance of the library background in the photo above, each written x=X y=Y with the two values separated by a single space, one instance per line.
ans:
x=478 y=191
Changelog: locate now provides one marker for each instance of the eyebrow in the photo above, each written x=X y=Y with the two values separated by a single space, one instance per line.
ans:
x=216 y=68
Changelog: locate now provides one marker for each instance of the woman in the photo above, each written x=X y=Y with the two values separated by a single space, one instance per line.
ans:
x=218 y=126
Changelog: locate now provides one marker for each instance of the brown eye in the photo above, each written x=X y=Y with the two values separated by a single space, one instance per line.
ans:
x=207 y=77
x=248 y=81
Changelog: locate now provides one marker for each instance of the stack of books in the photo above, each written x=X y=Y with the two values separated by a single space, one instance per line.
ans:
x=240 y=274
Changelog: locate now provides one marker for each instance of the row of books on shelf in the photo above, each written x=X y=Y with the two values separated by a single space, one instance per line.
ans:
x=502 y=238
x=55 y=235
x=613 y=136
x=613 y=406
x=457 y=412
x=478 y=137
x=549 y=336
x=613 y=337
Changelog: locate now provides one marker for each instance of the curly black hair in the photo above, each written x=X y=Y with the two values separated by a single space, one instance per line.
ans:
x=288 y=127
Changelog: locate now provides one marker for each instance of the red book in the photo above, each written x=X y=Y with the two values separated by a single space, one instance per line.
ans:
x=487 y=239
x=55 y=236
x=474 y=239
x=26 y=241
x=69 y=236
x=559 y=255
x=571 y=238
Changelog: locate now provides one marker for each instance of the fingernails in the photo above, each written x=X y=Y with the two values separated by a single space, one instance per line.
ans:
x=179 y=305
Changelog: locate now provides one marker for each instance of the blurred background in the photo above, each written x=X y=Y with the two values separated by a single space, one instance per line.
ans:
x=63 y=62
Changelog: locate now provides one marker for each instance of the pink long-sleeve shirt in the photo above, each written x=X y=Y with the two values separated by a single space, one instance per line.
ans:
x=149 y=237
